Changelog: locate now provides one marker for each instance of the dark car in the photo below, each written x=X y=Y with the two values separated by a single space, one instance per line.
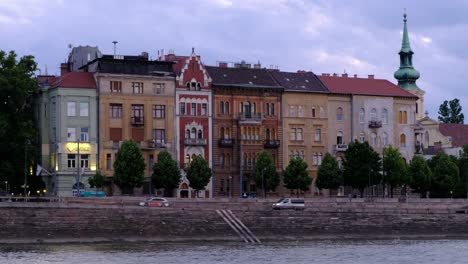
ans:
x=155 y=202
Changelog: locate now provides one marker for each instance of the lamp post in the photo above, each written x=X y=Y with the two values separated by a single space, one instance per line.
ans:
x=26 y=143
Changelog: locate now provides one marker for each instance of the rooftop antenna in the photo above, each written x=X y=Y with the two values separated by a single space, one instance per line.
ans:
x=115 y=47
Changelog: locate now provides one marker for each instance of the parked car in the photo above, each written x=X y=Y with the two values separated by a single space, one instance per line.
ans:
x=289 y=203
x=155 y=202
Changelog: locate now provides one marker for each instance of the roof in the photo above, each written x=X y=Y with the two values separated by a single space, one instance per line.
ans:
x=74 y=80
x=364 y=86
x=242 y=77
x=457 y=132
x=134 y=66
x=299 y=81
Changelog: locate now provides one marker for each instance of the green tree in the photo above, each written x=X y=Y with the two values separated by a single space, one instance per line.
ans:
x=450 y=112
x=362 y=166
x=17 y=89
x=198 y=173
x=166 y=173
x=462 y=188
x=265 y=173
x=445 y=176
x=394 y=167
x=296 y=177
x=420 y=175
x=129 y=167
x=329 y=175
x=97 y=181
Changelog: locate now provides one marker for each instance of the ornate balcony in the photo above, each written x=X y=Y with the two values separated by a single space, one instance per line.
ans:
x=375 y=124
x=138 y=121
x=272 y=143
x=226 y=142
x=341 y=147
x=195 y=142
x=250 y=118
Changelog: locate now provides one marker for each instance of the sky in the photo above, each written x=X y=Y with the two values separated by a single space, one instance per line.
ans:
x=324 y=36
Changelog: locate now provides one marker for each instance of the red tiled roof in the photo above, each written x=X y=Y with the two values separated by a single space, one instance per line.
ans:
x=458 y=133
x=363 y=86
x=75 y=80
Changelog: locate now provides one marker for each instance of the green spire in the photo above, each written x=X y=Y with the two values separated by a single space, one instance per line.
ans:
x=406 y=74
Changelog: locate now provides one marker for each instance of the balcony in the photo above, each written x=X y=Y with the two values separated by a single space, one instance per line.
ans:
x=341 y=147
x=250 y=118
x=195 y=142
x=226 y=142
x=272 y=143
x=152 y=144
x=138 y=121
x=375 y=124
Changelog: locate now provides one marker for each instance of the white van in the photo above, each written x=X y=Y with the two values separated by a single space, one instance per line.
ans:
x=289 y=203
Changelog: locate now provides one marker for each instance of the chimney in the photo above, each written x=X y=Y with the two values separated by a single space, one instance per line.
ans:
x=222 y=64
x=344 y=75
x=355 y=75
x=64 y=68
x=334 y=74
x=371 y=76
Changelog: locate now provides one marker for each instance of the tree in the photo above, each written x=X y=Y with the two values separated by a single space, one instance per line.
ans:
x=129 y=167
x=166 y=173
x=420 y=175
x=445 y=176
x=394 y=168
x=97 y=181
x=450 y=112
x=265 y=173
x=329 y=175
x=17 y=89
x=462 y=188
x=198 y=173
x=362 y=166
x=296 y=177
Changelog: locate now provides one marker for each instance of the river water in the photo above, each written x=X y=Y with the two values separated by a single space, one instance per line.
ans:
x=323 y=252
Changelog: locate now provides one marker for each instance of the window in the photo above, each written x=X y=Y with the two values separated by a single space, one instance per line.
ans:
x=115 y=111
x=362 y=137
x=71 y=134
x=159 y=111
x=339 y=114
x=339 y=138
x=402 y=117
x=292 y=135
x=71 y=160
x=402 y=140
x=221 y=160
x=297 y=134
x=384 y=139
x=137 y=113
x=84 y=161
x=362 y=117
x=159 y=88
x=319 y=159
x=221 y=107
x=71 y=108
x=254 y=108
x=159 y=136
x=115 y=86
x=291 y=111
x=200 y=134
x=226 y=105
x=299 y=111
x=109 y=161
x=272 y=109
x=182 y=108
x=84 y=135
x=373 y=139
x=373 y=114
x=204 y=109
x=187 y=133
x=150 y=162
x=267 y=109
x=416 y=108
x=137 y=87
x=322 y=112
x=84 y=109
x=405 y=117
x=313 y=112
x=316 y=159
x=194 y=109
x=384 y=116
x=318 y=134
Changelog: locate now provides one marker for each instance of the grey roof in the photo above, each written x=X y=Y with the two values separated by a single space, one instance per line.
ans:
x=242 y=77
x=299 y=81
x=82 y=55
x=133 y=65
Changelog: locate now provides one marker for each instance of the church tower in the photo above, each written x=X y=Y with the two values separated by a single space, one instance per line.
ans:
x=406 y=74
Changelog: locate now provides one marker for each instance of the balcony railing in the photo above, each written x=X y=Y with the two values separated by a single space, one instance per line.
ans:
x=375 y=124
x=152 y=144
x=138 y=121
x=246 y=117
x=195 y=141
x=226 y=142
x=341 y=147
x=272 y=143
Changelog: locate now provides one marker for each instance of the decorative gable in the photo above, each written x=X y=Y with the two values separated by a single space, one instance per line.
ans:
x=193 y=74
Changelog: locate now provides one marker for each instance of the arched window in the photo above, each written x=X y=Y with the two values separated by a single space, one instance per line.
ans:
x=374 y=139
x=194 y=133
x=198 y=86
x=402 y=140
x=362 y=137
x=248 y=109
x=400 y=117
x=221 y=133
x=200 y=134
x=426 y=139
x=227 y=108
x=267 y=109
x=384 y=139
x=362 y=117
x=373 y=114
x=384 y=116
x=339 y=114
x=291 y=110
x=267 y=134
x=221 y=107
x=187 y=133
x=339 y=138
x=188 y=86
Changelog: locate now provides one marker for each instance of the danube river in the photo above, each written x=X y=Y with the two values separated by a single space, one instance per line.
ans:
x=323 y=252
